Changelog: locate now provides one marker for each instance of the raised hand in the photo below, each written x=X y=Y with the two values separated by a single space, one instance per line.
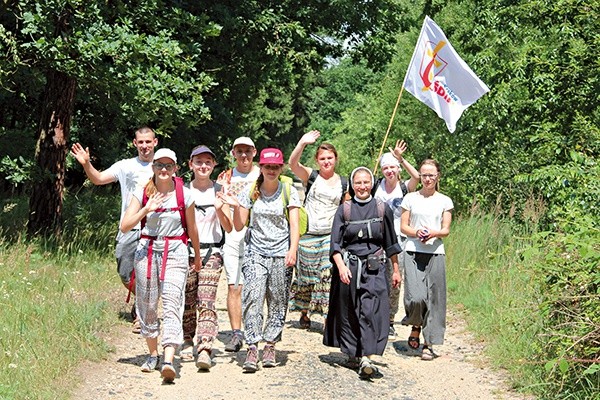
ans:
x=310 y=137
x=399 y=149
x=81 y=155
x=227 y=199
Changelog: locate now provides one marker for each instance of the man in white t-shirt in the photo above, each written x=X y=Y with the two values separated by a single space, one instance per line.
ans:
x=131 y=173
x=234 y=182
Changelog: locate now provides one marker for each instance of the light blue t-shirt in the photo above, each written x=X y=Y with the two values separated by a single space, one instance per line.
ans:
x=270 y=234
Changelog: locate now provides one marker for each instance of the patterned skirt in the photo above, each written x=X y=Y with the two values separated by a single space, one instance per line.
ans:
x=310 y=289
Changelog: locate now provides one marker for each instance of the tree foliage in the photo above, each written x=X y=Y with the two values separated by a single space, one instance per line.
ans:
x=205 y=71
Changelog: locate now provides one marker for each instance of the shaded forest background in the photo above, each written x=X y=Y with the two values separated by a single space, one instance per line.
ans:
x=207 y=72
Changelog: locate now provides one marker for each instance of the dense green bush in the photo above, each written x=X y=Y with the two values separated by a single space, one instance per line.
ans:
x=567 y=263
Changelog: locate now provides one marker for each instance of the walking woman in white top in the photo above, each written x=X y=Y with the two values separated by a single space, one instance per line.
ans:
x=165 y=208
x=325 y=191
x=426 y=218
x=213 y=219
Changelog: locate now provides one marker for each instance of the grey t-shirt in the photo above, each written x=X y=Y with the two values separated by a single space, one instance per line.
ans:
x=270 y=234
x=166 y=223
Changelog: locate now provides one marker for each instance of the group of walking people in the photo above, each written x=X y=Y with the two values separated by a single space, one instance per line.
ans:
x=363 y=237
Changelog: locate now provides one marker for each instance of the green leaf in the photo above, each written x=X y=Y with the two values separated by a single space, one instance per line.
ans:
x=563 y=365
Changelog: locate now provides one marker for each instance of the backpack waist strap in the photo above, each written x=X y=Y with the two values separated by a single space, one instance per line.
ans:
x=151 y=239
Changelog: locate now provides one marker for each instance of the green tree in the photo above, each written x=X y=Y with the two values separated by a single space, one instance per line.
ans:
x=130 y=63
x=196 y=70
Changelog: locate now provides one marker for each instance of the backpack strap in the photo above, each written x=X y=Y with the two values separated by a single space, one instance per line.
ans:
x=347 y=209
x=344 y=187
x=286 y=199
x=404 y=189
x=180 y=202
x=380 y=212
x=311 y=179
x=381 y=209
x=144 y=201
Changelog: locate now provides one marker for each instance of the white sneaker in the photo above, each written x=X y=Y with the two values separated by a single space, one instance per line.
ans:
x=150 y=364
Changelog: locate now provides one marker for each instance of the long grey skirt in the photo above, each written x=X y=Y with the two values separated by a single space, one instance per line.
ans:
x=425 y=294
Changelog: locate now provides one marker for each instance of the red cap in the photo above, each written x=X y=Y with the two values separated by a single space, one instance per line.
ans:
x=271 y=156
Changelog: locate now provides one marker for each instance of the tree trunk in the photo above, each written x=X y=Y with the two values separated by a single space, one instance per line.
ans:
x=46 y=202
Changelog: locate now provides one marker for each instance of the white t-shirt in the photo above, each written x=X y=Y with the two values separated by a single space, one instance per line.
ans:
x=207 y=221
x=270 y=228
x=132 y=174
x=166 y=223
x=394 y=201
x=426 y=212
x=322 y=202
x=239 y=182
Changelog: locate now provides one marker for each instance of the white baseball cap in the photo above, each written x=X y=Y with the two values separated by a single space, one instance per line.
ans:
x=160 y=153
x=243 y=140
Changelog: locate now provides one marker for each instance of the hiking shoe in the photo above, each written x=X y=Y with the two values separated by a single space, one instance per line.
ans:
x=150 y=364
x=168 y=372
x=366 y=369
x=392 y=332
x=251 y=363
x=235 y=344
x=203 y=360
x=268 y=356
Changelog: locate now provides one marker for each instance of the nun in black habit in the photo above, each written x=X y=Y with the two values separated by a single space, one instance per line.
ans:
x=362 y=238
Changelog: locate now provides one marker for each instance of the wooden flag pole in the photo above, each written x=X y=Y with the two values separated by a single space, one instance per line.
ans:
x=412 y=59
x=387 y=133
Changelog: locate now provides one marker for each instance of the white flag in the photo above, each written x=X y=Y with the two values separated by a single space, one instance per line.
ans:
x=440 y=78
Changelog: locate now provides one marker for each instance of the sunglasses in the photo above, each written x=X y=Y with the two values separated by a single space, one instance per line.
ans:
x=159 y=166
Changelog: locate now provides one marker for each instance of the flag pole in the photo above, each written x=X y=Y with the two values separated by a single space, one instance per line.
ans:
x=389 y=128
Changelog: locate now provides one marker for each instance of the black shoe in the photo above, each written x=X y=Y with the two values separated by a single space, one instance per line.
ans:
x=392 y=332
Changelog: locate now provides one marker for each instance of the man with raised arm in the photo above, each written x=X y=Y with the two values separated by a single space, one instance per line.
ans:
x=130 y=173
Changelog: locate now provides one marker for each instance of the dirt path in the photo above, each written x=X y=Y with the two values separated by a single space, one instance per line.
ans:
x=307 y=370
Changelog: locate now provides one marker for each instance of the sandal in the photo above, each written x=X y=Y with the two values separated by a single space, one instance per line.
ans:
x=187 y=350
x=413 y=341
x=136 y=327
x=304 y=321
x=428 y=353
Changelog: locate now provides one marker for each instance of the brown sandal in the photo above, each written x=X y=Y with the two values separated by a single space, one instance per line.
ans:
x=304 y=321
x=413 y=341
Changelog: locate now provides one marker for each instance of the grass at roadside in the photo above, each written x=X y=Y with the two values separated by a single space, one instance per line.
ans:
x=54 y=296
x=53 y=310
x=497 y=292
